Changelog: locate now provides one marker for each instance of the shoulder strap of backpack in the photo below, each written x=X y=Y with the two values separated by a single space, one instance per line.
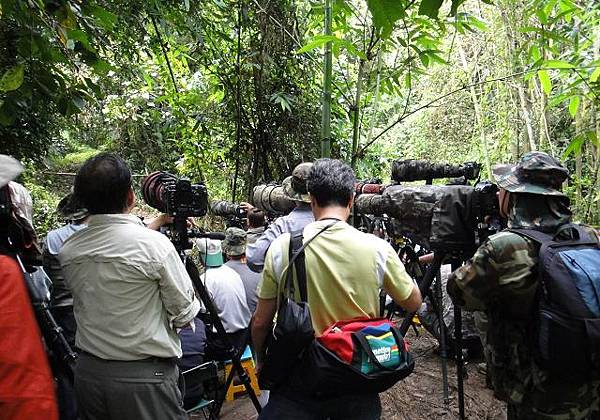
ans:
x=535 y=235
x=296 y=259
x=296 y=239
x=577 y=234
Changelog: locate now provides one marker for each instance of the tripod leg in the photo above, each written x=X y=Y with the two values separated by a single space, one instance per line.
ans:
x=221 y=395
x=439 y=306
x=459 y=360
x=424 y=287
x=233 y=354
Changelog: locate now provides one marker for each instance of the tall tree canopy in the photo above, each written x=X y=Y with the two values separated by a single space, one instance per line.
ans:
x=231 y=91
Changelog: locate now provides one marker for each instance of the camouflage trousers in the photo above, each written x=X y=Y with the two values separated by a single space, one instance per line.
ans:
x=582 y=403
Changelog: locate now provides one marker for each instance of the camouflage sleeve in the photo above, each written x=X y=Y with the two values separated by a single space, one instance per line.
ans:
x=474 y=283
x=500 y=273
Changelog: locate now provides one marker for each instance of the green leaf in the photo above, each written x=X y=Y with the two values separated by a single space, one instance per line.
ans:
x=574 y=146
x=430 y=8
x=104 y=18
x=12 y=78
x=541 y=14
x=81 y=37
x=478 y=23
x=534 y=52
x=595 y=75
x=558 y=64
x=545 y=81
x=557 y=99
x=101 y=67
x=385 y=14
x=574 y=105
x=320 y=40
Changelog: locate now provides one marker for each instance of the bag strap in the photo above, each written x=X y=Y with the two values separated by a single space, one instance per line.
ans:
x=295 y=246
x=300 y=272
x=580 y=236
x=364 y=343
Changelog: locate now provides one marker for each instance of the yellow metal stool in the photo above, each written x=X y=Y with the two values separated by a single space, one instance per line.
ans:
x=248 y=365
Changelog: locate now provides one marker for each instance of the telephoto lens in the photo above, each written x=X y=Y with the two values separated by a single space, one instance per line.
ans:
x=153 y=189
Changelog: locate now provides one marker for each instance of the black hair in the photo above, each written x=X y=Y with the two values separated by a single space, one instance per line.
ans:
x=331 y=182
x=102 y=184
x=256 y=218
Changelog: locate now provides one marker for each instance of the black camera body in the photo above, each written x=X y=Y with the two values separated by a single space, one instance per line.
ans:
x=185 y=199
x=233 y=214
x=174 y=196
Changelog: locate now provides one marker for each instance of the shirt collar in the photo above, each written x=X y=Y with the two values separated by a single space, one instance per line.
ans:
x=302 y=209
x=112 y=219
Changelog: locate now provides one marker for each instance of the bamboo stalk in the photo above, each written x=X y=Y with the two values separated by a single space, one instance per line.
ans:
x=327 y=75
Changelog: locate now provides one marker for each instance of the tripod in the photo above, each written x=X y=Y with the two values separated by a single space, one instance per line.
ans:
x=425 y=289
x=181 y=242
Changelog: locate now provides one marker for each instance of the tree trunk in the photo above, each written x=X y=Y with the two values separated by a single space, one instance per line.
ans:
x=579 y=125
x=327 y=75
x=356 y=114
x=376 y=99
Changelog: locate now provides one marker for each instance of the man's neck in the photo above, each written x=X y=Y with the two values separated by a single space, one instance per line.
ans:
x=331 y=212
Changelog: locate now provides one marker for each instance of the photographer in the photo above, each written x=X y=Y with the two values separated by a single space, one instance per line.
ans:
x=339 y=287
x=256 y=224
x=26 y=385
x=130 y=293
x=294 y=187
x=227 y=292
x=503 y=279
x=234 y=246
x=61 y=300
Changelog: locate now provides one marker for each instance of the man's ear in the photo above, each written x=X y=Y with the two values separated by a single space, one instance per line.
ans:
x=130 y=198
x=351 y=203
x=313 y=200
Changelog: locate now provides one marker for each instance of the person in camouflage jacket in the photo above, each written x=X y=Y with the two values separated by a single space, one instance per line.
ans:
x=501 y=280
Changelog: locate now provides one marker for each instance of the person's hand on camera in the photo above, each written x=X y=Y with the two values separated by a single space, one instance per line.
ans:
x=160 y=221
x=246 y=206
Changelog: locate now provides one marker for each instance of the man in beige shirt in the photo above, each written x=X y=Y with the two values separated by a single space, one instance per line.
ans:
x=130 y=293
x=345 y=269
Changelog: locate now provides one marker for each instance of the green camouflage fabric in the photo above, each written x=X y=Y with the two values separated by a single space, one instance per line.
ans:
x=539 y=212
x=501 y=280
x=295 y=186
x=535 y=173
x=234 y=242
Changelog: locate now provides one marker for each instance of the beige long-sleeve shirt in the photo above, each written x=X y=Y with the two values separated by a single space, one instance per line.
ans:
x=130 y=289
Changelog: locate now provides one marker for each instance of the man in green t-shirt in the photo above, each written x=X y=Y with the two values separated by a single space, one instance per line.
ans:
x=345 y=269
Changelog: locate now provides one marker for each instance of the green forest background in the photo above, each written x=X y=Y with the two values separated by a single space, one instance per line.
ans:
x=230 y=92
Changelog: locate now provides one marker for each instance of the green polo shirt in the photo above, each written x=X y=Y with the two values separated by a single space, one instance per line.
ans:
x=345 y=269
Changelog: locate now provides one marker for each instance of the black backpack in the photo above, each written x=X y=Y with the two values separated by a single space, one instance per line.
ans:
x=567 y=333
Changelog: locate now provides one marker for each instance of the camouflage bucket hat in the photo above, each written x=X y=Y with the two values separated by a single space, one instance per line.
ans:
x=535 y=173
x=234 y=242
x=295 y=186
x=70 y=208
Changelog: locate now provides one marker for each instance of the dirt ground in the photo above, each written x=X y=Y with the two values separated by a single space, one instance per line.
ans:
x=420 y=396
